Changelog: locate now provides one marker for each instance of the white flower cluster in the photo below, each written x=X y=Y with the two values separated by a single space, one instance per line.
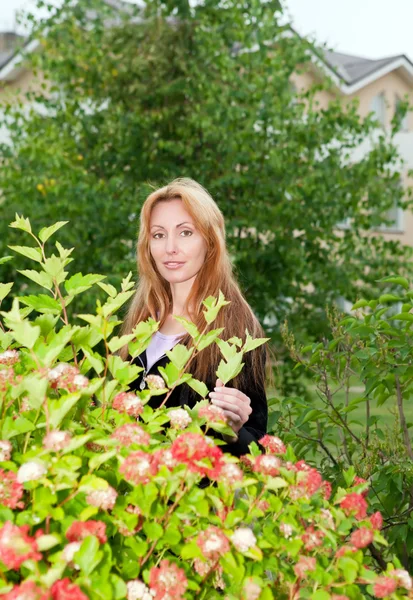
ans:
x=5 y=450
x=403 y=578
x=179 y=418
x=137 y=590
x=70 y=550
x=243 y=539
x=31 y=470
x=104 y=499
x=155 y=382
x=251 y=590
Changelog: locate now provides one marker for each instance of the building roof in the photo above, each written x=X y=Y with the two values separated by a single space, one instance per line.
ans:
x=352 y=69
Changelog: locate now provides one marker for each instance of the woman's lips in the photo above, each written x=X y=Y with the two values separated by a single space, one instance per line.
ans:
x=173 y=264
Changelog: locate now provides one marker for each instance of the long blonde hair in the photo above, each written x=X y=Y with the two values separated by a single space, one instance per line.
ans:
x=153 y=295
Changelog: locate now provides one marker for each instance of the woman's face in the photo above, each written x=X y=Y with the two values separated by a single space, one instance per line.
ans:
x=177 y=247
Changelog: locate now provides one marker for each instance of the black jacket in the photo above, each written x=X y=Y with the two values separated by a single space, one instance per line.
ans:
x=253 y=430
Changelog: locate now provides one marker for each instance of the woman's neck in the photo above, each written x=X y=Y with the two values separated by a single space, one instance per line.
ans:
x=180 y=293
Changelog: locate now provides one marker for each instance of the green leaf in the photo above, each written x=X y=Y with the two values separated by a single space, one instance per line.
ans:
x=80 y=283
x=320 y=595
x=28 y=252
x=396 y=280
x=99 y=459
x=36 y=388
x=190 y=327
x=54 y=266
x=21 y=223
x=385 y=298
x=213 y=306
x=4 y=290
x=228 y=351
x=5 y=259
x=25 y=333
x=179 y=355
x=42 y=303
x=153 y=530
x=60 y=408
x=349 y=567
x=402 y=317
x=88 y=556
x=42 y=278
x=199 y=386
x=46 y=232
x=360 y=304
x=209 y=338
x=45 y=542
x=229 y=370
x=109 y=289
x=252 y=344
x=13 y=427
x=116 y=342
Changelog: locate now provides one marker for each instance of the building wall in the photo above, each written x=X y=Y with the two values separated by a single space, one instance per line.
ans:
x=391 y=86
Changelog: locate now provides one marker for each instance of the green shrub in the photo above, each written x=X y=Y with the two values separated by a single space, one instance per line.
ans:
x=101 y=496
x=362 y=371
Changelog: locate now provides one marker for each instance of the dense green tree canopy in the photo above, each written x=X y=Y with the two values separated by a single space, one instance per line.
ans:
x=133 y=99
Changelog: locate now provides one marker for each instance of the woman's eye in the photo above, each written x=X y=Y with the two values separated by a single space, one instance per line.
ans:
x=157 y=236
x=186 y=233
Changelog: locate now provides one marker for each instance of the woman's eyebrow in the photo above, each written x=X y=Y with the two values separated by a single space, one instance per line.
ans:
x=179 y=225
x=184 y=223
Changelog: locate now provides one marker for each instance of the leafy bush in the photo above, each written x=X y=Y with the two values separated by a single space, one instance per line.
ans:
x=103 y=497
x=371 y=351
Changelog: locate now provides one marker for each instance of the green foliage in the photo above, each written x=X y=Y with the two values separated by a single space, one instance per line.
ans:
x=129 y=98
x=101 y=495
x=369 y=351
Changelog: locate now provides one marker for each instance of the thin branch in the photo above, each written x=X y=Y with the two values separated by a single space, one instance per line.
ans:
x=402 y=417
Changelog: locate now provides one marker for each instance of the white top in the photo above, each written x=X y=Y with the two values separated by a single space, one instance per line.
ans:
x=159 y=345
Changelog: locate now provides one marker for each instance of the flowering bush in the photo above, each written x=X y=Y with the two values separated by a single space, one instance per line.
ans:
x=102 y=497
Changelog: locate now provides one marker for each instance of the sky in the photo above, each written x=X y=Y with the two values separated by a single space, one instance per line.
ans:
x=369 y=28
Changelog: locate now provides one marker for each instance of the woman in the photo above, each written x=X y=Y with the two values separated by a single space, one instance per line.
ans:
x=182 y=259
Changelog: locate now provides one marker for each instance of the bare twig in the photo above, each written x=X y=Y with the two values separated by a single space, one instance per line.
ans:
x=402 y=417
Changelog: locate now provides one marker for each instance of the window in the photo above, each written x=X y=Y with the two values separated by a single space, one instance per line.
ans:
x=404 y=123
x=378 y=107
x=395 y=218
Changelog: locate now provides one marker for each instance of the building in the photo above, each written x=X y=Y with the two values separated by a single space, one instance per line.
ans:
x=379 y=86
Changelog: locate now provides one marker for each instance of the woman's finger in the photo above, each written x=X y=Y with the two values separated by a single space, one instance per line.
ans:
x=224 y=404
x=222 y=395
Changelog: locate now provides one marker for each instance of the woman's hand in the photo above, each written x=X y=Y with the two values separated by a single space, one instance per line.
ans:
x=235 y=404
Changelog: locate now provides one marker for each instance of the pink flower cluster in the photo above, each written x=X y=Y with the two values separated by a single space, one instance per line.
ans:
x=139 y=467
x=200 y=455
x=9 y=358
x=67 y=377
x=27 y=590
x=131 y=433
x=212 y=414
x=63 y=589
x=354 y=504
x=79 y=530
x=56 y=440
x=16 y=545
x=129 y=403
x=213 y=543
x=273 y=444
x=11 y=491
x=168 y=581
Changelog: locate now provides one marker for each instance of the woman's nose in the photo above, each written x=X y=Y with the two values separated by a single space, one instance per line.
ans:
x=171 y=245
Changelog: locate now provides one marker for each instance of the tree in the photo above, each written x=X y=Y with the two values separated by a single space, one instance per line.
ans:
x=135 y=98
